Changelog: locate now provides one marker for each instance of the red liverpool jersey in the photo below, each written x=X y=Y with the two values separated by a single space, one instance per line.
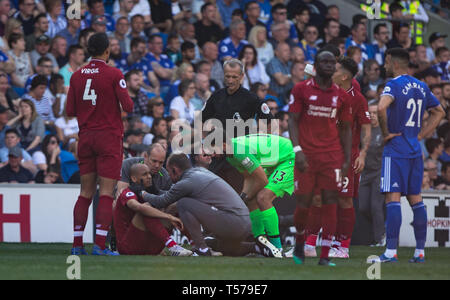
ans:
x=96 y=92
x=122 y=214
x=319 y=112
x=360 y=114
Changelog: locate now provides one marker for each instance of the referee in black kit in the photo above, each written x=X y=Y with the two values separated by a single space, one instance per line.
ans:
x=233 y=103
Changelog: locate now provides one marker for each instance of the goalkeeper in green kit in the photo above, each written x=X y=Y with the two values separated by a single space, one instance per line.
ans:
x=267 y=163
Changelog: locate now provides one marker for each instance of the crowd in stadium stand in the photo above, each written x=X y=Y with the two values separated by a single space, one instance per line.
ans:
x=171 y=54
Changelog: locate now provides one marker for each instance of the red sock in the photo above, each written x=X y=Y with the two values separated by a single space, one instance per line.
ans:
x=156 y=229
x=347 y=221
x=80 y=216
x=300 y=221
x=103 y=219
x=170 y=243
x=329 y=219
x=314 y=224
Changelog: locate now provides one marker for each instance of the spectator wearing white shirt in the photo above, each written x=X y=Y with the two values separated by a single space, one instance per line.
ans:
x=182 y=106
x=258 y=38
x=141 y=7
x=56 y=21
x=42 y=103
x=254 y=69
x=436 y=40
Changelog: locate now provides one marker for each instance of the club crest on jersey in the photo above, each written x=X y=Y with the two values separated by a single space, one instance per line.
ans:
x=313 y=98
x=334 y=101
x=237 y=117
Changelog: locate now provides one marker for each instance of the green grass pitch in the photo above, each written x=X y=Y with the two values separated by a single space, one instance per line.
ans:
x=48 y=261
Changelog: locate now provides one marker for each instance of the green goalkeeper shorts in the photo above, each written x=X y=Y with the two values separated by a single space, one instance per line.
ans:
x=281 y=179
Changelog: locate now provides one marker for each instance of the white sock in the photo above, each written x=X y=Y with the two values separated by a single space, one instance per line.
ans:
x=390 y=253
x=419 y=252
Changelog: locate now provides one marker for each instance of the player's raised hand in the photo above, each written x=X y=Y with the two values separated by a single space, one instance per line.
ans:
x=390 y=136
x=300 y=161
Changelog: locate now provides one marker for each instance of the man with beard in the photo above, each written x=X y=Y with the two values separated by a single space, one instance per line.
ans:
x=119 y=57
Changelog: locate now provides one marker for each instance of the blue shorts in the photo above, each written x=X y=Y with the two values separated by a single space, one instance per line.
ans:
x=402 y=175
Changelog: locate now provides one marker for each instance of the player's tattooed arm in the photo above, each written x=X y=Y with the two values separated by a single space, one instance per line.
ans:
x=366 y=132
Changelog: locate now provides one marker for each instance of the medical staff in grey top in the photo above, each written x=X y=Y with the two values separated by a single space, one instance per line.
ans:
x=205 y=200
x=371 y=201
x=154 y=158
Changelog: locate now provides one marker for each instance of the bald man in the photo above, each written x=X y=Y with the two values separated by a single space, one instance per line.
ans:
x=154 y=158
x=139 y=228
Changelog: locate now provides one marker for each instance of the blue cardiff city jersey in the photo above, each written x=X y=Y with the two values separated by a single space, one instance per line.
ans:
x=411 y=98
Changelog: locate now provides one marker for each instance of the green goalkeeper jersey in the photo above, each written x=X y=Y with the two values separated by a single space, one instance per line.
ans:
x=265 y=150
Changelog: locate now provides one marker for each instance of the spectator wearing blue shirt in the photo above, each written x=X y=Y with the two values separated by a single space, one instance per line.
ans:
x=184 y=71
x=280 y=34
x=443 y=63
x=162 y=65
x=71 y=32
x=232 y=45
x=12 y=139
x=279 y=14
x=381 y=36
x=279 y=70
x=308 y=44
x=136 y=60
x=358 y=38
x=265 y=12
x=445 y=157
x=97 y=9
x=122 y=26
x=3 y=126
x=137 y=28
x=119 y=57
x=52 y=154
x=226 y=8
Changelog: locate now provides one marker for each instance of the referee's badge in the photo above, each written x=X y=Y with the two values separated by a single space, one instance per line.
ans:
x=265 y=108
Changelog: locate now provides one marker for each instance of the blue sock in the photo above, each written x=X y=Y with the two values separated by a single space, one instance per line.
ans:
x=393 y=222
x=420 y=224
